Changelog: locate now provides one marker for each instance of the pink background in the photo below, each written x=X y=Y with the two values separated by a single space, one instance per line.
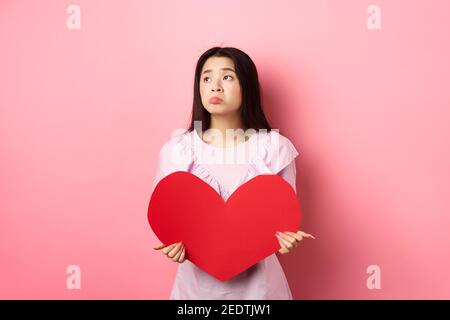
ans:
x=83 y=114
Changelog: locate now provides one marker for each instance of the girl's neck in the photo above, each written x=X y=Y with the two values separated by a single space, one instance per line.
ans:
x=224 y=122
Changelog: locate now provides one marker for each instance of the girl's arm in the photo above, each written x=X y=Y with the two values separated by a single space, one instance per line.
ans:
x=158 y=176
x=289 y=240
x=174 y=251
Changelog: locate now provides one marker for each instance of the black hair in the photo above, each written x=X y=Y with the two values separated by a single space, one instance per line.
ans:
x=251 y=109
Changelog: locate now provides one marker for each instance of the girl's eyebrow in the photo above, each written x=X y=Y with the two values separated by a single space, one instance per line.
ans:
x=209 y=70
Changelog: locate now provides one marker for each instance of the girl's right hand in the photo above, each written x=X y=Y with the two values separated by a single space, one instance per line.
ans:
x=175 y=251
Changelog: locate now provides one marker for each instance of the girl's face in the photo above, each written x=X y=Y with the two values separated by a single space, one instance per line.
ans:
x=218 y=79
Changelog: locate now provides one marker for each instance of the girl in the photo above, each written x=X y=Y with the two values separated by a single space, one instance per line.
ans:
x=229 y=142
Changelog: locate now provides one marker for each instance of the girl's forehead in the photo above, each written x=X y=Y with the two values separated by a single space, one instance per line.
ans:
x=218 y=63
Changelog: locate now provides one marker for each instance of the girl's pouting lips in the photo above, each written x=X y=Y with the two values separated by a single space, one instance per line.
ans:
x=215 y=100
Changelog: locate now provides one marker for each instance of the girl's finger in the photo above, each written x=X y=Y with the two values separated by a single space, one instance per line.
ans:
x=286 y=243
x=297 y=236
x=167 y=249
x=162 y=245
x=283 y=250
x=178 y=254
x=304 y=234
x=183 y=255
x=288 y=237
x=281 y=244
x=293 y=238
x=174 y=250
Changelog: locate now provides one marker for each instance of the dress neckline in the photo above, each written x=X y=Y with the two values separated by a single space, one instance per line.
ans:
x=225 y=191
x=234 y=147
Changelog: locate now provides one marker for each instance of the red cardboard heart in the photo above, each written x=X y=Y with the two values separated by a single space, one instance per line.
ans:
x=223 y=238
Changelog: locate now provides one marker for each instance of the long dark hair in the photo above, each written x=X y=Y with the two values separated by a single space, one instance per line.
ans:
x=251 y=109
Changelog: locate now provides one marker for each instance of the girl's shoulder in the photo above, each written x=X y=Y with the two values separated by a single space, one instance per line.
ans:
x=276 y=140
x=276 y=150
x=175 y=153
x=178 y=139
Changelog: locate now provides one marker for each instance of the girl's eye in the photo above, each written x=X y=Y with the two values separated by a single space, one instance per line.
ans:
x=206 y=78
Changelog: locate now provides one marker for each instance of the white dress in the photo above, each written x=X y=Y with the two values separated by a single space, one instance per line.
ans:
x=266 y=153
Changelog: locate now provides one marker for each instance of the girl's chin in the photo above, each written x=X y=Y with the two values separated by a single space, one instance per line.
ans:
x=217 y=108
x=220 y=109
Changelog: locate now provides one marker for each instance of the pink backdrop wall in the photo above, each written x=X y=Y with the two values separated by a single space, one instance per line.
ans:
x=83 y=113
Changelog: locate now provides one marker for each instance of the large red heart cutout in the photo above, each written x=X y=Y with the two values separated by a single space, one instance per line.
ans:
x=223 y=238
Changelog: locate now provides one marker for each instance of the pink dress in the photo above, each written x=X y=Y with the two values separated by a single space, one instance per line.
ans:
x=225 y=169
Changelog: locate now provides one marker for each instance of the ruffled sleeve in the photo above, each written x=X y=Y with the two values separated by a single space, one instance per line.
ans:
x=174 y=155
x=278 y=152
x=289 y=174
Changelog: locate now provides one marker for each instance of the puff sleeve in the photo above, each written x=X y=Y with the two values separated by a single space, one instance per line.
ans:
x=174 y=155
x=279 y=152
x=289 y=174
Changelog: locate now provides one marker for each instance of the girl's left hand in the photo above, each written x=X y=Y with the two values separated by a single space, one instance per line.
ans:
x=289 y=240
